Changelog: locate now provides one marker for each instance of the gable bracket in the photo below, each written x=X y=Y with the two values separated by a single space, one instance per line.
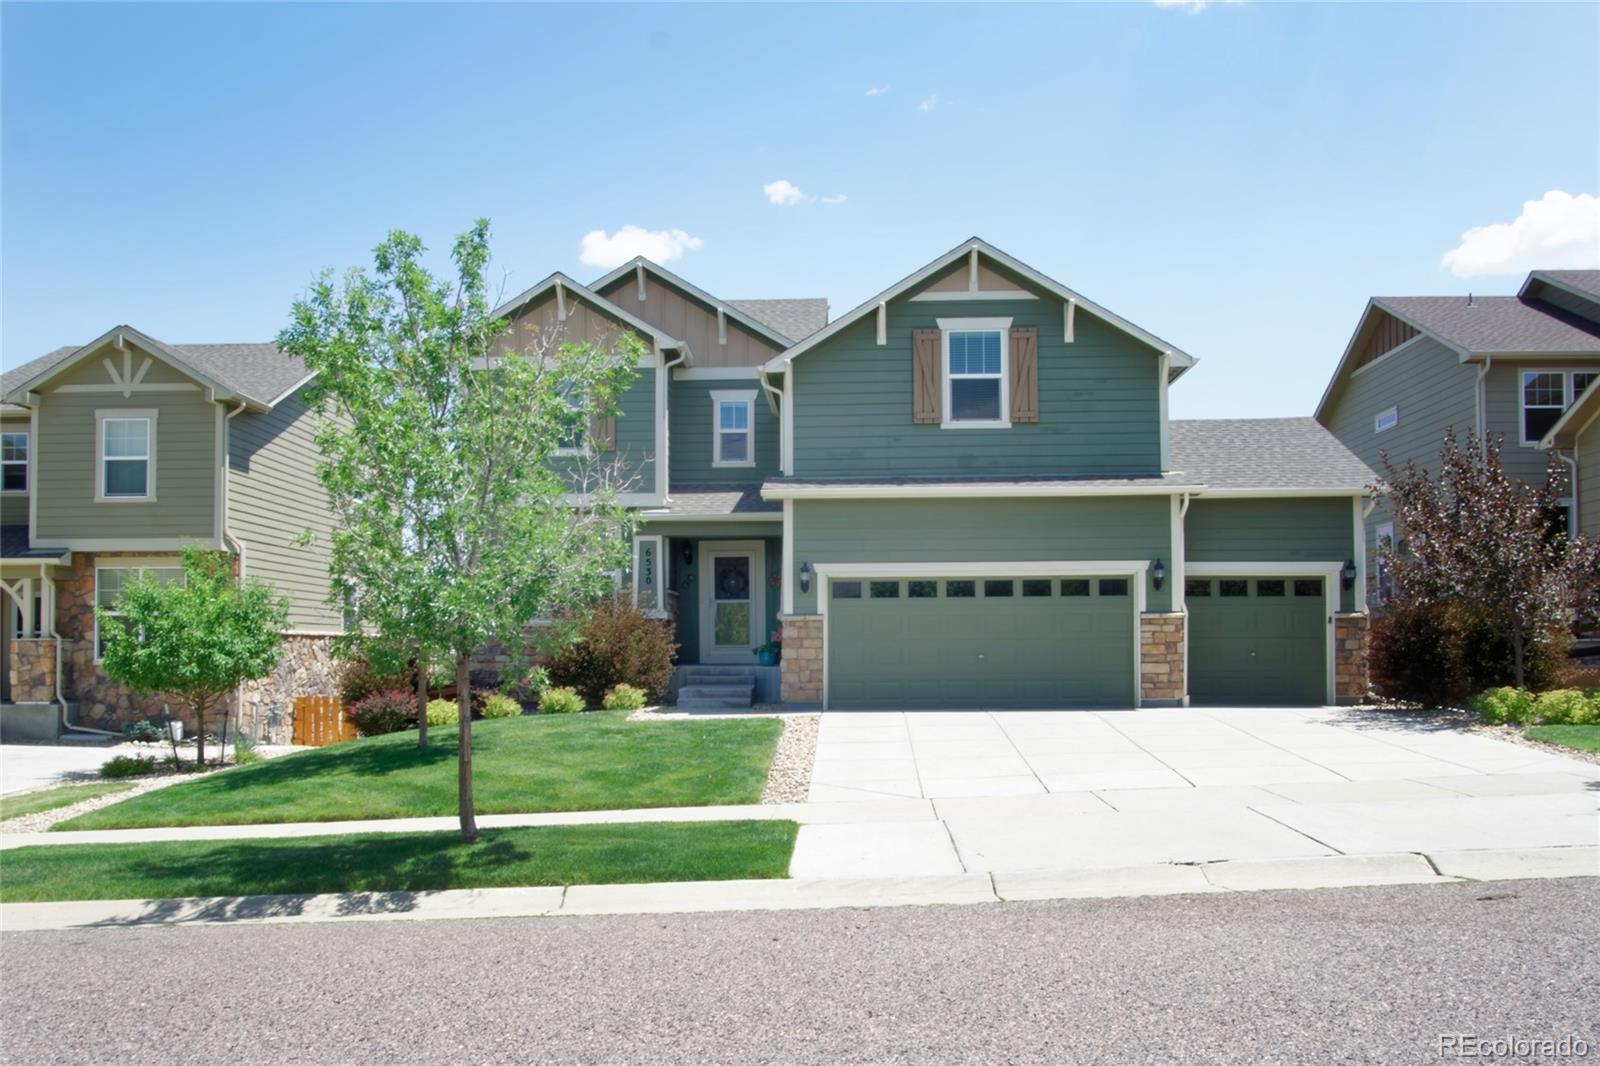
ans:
x=883 y=322
x=638 y=272
x=1068 y=315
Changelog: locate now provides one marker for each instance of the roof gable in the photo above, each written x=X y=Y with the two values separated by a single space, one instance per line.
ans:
x=560 y=287
x=976 y=251
x=613 y=285
x=1577 y=418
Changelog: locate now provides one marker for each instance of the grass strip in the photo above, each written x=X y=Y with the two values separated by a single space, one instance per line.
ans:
x=48 y=799
x=1581 y=737
x=394 y=862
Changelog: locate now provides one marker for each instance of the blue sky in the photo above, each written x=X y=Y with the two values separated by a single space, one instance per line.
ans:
x=1237 y=179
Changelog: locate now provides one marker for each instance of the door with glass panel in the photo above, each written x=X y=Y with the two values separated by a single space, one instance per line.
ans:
x=732 y=606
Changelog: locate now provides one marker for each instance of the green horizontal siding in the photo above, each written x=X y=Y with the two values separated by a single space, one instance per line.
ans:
x=635 y=454
x=1098 y=401
x=689 y=402
x=987 y=530
x=1320 y=529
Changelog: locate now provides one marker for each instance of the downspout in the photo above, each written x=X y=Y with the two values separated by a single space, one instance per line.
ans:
x=1572 y=483
x=1183 y=514
x=237 y=547
x=1483 y=403
x=775 y=397
x=47 y=585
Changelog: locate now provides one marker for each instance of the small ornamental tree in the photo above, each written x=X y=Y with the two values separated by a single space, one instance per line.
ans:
x=459 y=522
x=195 y=640
x=1476 y=537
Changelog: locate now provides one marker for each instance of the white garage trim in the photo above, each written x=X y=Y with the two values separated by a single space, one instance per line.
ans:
x=1134 y=570
x=1331 y=587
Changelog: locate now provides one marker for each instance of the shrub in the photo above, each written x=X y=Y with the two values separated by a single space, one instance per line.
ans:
x=1500 y=706
x=617 y=643
x=128 y=766
x=384 y=712
x=560 y=700
x=145 y=732
x=361 y=679
x=1566 y=706
x=244 y=750
x=1416 y=655
x=443 y=712
x=623 y=698
x=1490 y=661
x=498 y=706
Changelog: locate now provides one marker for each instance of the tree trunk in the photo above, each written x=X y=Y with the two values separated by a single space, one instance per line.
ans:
x=422 y=702
x=227 y=712
x=469 y=819
x=200 y=733
x=1518 y=654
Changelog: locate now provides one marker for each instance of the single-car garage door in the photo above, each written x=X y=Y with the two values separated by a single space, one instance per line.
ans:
x=980 y=642
x=1257 y=640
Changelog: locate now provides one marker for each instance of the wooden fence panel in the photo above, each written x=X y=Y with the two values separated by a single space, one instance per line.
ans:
x=320 y=720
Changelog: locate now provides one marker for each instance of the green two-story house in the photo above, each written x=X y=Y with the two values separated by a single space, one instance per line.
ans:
x=966 y=492
x=119 y=453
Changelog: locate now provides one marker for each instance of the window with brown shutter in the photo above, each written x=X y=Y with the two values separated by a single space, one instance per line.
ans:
x=926 y=388
x=603 y=433
x=1025 y=375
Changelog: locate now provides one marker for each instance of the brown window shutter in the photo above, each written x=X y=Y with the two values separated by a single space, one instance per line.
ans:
x=1025 y=375
x=603 y=433
x=927 y=398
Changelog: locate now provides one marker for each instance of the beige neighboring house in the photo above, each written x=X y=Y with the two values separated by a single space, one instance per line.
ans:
x=1576 y=438
x=115 y=456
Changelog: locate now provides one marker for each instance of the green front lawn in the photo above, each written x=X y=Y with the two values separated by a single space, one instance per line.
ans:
x=578 y=762
x=1582 y=737
x=48 y=799
x=402 y=862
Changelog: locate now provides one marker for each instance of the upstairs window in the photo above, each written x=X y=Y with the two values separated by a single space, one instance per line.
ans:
x=127 y=469
x=733 y=429
x=574 y=437
x=975 y=371
x=1546 y=394
x=14 y=462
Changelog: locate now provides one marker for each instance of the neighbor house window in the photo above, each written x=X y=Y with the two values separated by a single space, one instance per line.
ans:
x=1386 y=420
x=127 y=448
x=733 y=429
x=975 y=358
x=14 y=461
x=1546 y=394
x=108 y=585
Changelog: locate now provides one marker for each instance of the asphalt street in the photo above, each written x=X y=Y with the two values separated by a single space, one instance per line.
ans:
x=1338 y=975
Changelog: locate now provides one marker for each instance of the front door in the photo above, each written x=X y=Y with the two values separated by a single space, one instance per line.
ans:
x=732 y=607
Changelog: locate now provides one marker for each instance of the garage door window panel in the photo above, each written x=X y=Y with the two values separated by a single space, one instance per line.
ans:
x=847 y=590
x=884 y=590
x=998 y=589
x=1075 y=586
x=1113 y=586
x=960 y=590
x=922 y=590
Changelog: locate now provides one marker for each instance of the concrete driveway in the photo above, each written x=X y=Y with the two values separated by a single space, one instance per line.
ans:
x=1295 y=751
x=1065 y=790
x=27 y=766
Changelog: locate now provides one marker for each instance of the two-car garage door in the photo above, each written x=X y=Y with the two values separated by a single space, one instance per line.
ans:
x=965 y=642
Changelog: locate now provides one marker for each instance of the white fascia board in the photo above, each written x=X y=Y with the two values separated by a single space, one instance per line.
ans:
x=1180 y=359
x=958 y=491
x=600 y=303
x=143 y=341
x=632 y=266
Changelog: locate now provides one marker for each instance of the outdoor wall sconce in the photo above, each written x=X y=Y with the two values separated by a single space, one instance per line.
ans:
x=1348 y=574
x=805 y=577
x=1158 y=574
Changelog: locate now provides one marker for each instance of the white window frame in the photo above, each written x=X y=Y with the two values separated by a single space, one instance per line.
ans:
x=1568 y=394
x=148 y=417
x=748 y=399
x=582 y=447
x=1385 y=420
x=1382 y=531
x=27 y=451
x=948 y=326
x=125 y=565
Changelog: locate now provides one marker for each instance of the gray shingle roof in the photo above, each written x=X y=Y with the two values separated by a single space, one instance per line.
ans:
x=1264 y=453
x=795 y=319
x=720 y=500
x=258 y=372
x=1154 y=481
x=14 y=545
x=1494 y=324
x=1585 y=280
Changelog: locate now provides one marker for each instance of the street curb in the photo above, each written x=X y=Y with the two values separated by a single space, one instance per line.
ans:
x=687 y=897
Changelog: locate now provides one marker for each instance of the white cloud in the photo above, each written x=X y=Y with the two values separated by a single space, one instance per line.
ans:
x=1560 y=231
x=783 y=193
x=836 y=198
x=928 y=103
x=877 y=90
x=660 y=245
x=1194 y=7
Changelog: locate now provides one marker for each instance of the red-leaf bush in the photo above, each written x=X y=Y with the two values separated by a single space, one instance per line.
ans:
x=617 y=643
x=384 y=712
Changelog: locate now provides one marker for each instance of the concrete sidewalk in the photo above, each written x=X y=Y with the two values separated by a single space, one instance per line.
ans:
x=812 y=893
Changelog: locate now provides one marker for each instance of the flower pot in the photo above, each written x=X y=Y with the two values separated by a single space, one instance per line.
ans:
x=766 y=658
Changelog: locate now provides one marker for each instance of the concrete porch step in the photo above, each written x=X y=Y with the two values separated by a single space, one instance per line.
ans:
x=717 y=692
x=698 y=672
x=741 y=704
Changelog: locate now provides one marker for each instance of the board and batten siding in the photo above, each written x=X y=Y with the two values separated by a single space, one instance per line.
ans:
x=67 y=464
x=685 y=318
x=1431 y=390
x=1311 y=529
x=1099 y=402
x=14 y=505
x=692 y=413
x=274 y=497
x=982 y=530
